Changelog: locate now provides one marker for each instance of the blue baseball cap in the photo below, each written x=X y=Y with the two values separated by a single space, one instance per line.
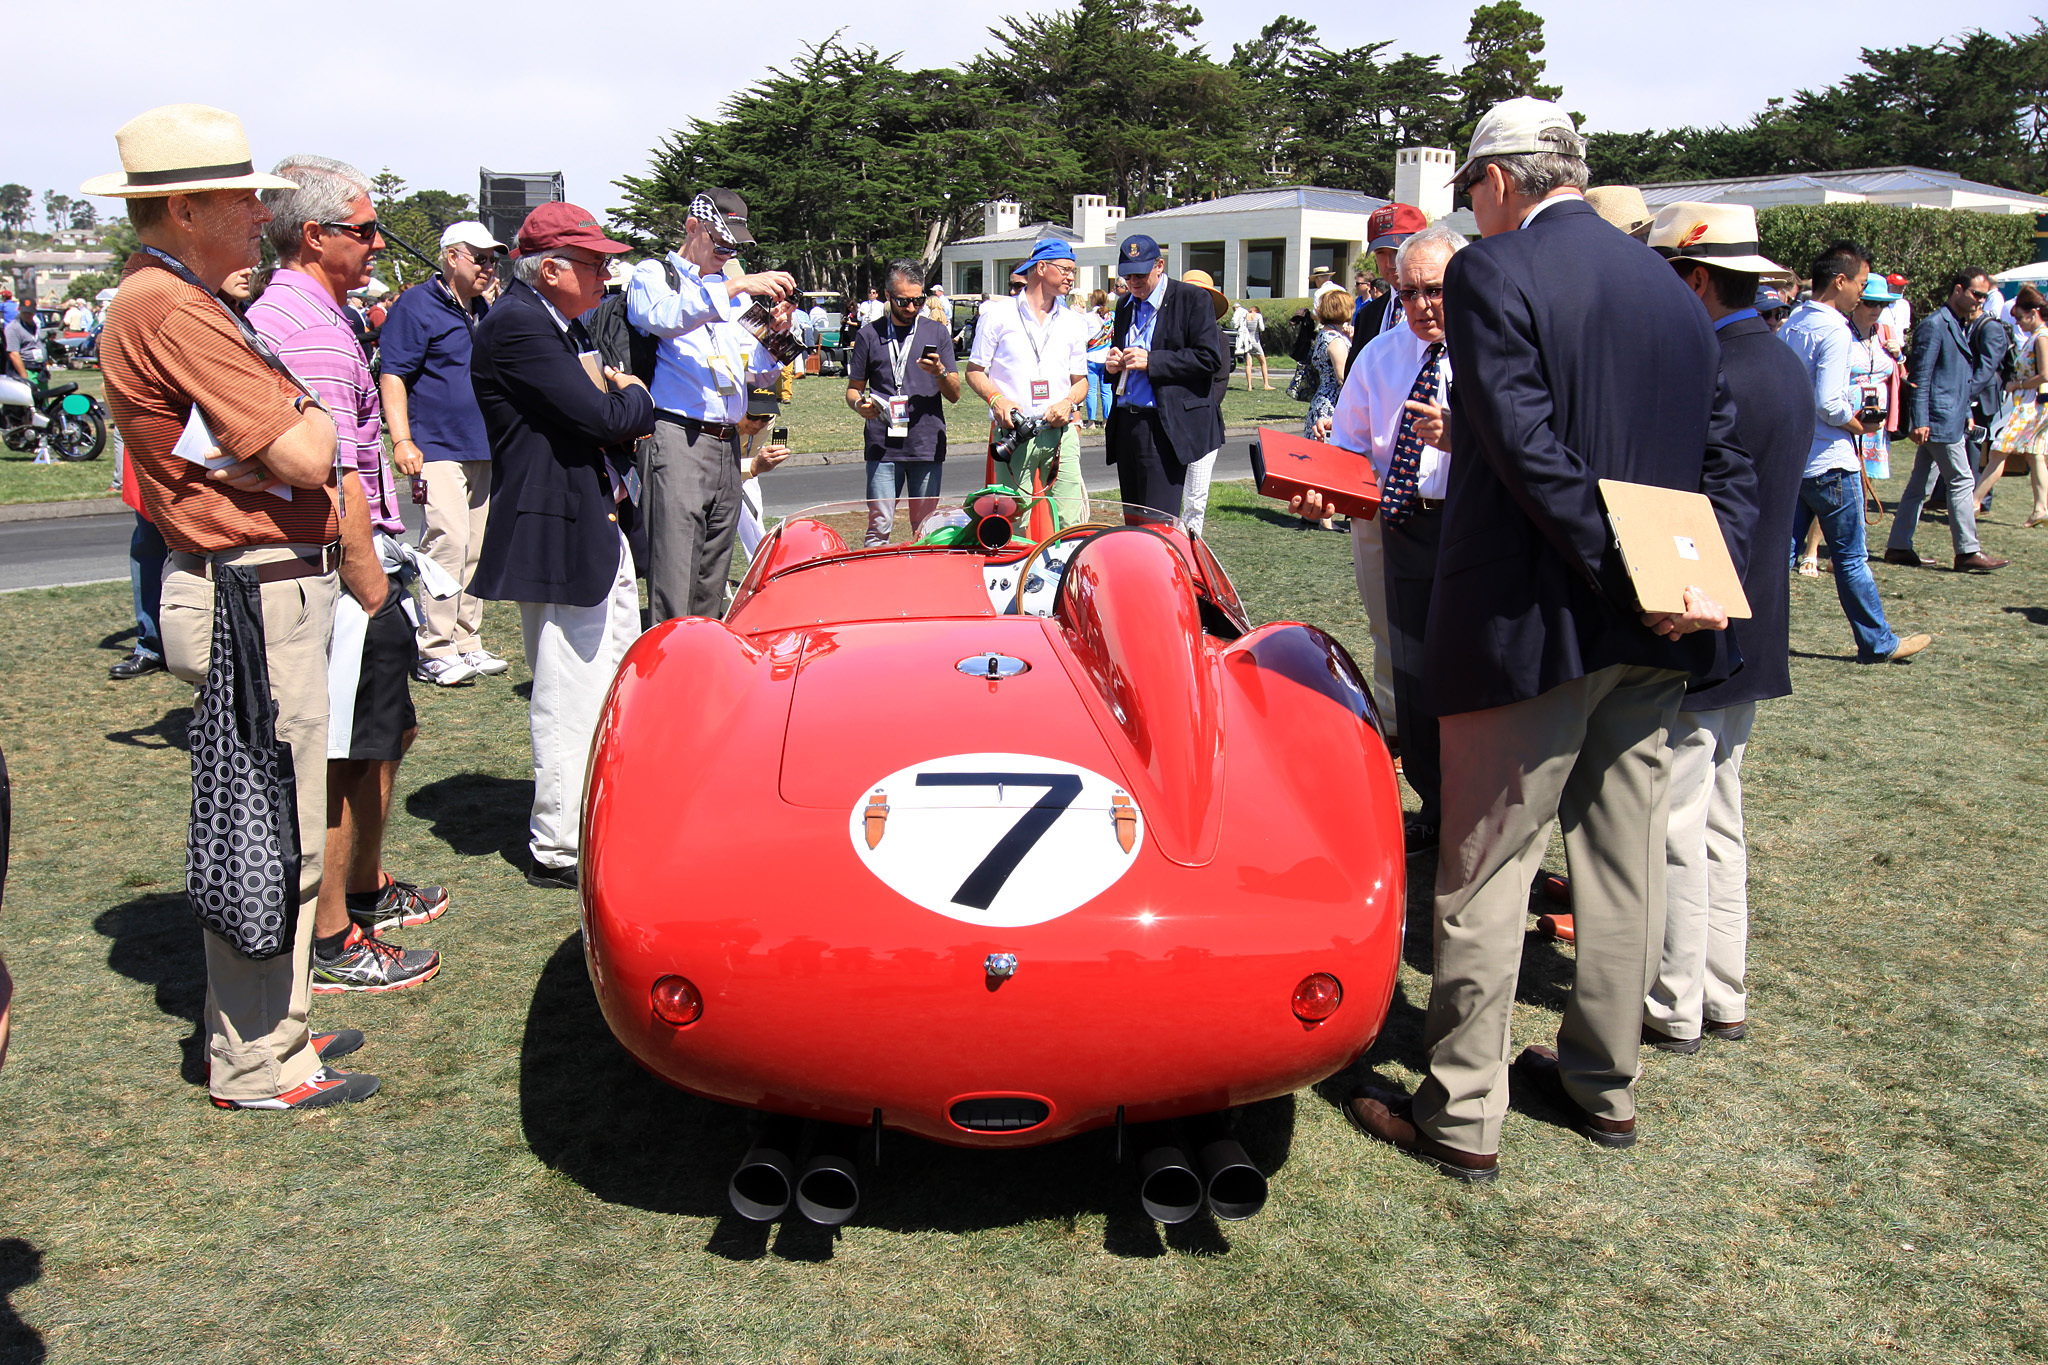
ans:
x=1136 y=255
x=1048 y=249
x=1767 y=299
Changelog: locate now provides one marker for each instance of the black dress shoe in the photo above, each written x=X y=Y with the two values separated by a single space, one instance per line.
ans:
x=1422 y=836
x=1664 y=1042
x=552 y=878
x=1538 y=1066
x=1733 y=1031
x=1909 y=558
x=1384 y=1115
x=134 y=666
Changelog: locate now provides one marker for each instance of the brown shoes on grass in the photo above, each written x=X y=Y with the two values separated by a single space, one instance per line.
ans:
x=1384 y=1115
x=1538 y=1066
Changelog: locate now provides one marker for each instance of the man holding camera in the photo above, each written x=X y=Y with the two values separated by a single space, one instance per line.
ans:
x=900 y=377
x=1030 y=365
x=702 y=370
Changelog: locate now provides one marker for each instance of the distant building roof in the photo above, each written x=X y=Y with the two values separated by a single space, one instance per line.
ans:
x=1029 y=232
x=1873 y=181
x=1265 y=201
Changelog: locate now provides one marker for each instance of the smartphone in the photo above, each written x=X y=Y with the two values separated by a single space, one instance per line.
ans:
x=931 y=353
x=779 y=436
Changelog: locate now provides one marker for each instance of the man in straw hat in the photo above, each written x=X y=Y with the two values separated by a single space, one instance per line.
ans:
x=1623 y=206
x=1698 y=990
x=171 y=350
x=1554 y=691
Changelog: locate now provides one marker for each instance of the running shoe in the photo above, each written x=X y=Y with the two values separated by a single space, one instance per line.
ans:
x=339 y=1043
x=449 y=672
x=323 y=1087
x=370 y=964
x=486 y=664
x=399 y=905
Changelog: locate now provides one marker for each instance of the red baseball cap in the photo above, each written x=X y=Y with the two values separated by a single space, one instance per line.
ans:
x=559 y=225
x=1393 y=224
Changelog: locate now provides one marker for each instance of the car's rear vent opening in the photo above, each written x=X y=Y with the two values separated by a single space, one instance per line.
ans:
x=1000 y=1114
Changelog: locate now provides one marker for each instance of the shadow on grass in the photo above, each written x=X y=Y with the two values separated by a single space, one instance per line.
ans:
x=20 y=1264
x=120 y=640
x=2034 y=616
x=476 y=814
x=589 y=1111
x=156 y=941
x=167 y=732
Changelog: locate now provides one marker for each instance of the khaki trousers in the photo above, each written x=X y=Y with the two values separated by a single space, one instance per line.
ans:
x=1590 y=753
x=458 y=505
x=1368 y=566
x=256 y=1038
x=1706 y=877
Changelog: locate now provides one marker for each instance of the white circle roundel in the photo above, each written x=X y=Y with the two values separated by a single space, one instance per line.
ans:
x=997 y=839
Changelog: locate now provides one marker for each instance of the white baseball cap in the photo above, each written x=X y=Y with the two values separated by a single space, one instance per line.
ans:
x=470 y=233
x=1515 y=126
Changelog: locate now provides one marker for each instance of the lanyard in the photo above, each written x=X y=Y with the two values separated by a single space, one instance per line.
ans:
x=1043 y=335
x=249 y=334
x=899 y=356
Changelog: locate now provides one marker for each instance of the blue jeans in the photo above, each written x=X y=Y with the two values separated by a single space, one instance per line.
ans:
x=889 y=480
x=1100 y=392
x=146 y=554
x=1836 y=498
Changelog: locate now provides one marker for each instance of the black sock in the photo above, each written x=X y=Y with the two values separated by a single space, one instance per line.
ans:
x=329 y=945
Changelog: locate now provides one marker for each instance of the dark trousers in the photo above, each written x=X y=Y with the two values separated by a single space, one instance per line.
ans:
x=1409 y=554
x=1147 y=473
x=146 y=552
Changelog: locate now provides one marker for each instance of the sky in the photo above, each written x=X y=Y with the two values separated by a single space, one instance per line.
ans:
x=434 y=90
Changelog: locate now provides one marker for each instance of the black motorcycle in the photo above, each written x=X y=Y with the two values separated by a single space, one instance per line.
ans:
x=71 y=425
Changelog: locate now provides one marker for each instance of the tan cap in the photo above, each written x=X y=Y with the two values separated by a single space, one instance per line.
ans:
x=1712 y=234
x=177 y=148
x=1513 y=127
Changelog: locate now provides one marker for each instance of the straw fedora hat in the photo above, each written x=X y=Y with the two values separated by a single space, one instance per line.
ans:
x=178 y=148
x=1621 y=205
x=1712 y=234
x=1200 y=279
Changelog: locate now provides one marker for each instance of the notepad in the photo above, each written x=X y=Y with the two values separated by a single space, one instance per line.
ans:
x=1670 y=540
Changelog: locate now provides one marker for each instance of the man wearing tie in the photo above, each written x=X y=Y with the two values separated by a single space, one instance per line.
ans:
x=556 y=539
x=1165 y=352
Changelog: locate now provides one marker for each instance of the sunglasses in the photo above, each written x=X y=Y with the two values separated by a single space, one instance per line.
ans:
x=906 y=300
x=724 y=252
x=1980 y=296
x=1432 y=292
x=362 y=232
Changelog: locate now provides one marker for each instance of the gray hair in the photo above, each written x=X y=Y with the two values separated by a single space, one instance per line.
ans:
x=526 y=269
x=326 y=188
x=904 y=270
x=1434 y=237
x=1562 y=163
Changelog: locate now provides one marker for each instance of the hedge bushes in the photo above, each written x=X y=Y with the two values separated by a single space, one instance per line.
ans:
x=1921 y=244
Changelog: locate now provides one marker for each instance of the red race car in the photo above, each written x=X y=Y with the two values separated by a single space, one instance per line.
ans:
x=992 y=841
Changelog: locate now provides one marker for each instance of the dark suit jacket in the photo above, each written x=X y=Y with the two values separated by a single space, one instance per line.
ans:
x=1990 y=339
x=1186 y=356
x=553 y=533
x=1774 y=422
x=1579 y=356
x=1943 y=372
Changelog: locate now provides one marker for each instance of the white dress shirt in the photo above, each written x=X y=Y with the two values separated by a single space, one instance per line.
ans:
x=1368 y=416
x=1015 y=350
x=705 y=360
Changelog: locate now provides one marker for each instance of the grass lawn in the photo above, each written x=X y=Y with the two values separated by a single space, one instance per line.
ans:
x=1854 y=1183
x=23 y=480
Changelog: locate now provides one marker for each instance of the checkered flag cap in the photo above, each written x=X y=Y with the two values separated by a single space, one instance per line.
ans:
x=725 y=213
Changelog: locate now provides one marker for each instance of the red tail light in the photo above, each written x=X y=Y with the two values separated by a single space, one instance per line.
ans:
x=677 y=1002
x=1315 y=999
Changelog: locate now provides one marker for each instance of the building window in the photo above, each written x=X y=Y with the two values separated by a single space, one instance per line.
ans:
x=1265 y=268
x=1208 y=257
x=967 y=277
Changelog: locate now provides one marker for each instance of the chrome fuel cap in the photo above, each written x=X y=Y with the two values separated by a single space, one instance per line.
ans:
x=994 y=666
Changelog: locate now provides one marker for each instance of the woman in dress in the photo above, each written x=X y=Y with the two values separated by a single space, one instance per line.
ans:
x=2026 y=433
x=1327 y=356
x=1103 y=318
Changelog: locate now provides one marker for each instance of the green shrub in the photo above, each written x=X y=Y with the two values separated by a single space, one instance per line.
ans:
x=1921 y=244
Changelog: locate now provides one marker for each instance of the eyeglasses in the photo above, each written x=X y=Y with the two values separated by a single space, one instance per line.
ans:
x=362 y=232
x=1432 y=292
x=906 y=300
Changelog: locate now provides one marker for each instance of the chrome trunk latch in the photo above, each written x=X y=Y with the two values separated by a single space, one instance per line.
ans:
x=994 y=667
x=1000 y=966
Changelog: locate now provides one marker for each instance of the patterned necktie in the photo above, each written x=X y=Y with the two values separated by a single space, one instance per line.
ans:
x=1397 y=497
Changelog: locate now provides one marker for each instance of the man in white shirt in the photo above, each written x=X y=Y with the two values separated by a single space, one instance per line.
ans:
x=1030 y=357
x=1393 y=410
x=702 y=370
x=871 y=308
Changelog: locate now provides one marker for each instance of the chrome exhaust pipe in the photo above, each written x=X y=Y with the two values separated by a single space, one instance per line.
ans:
x=760 y=1187
x=1234 y=1187
x=1168 y=1186
x=828 y=1192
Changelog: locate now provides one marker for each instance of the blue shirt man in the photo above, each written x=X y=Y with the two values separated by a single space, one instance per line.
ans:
x=1819 y=335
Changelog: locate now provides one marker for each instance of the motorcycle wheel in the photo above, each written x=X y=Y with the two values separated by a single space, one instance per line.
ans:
x=76 y=439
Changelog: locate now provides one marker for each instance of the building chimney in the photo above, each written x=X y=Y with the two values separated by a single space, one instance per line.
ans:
x=1422 y=178
x=1001 y=215
x=1094 y=220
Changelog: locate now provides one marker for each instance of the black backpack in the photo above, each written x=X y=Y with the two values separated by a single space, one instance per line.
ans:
x=622 y=345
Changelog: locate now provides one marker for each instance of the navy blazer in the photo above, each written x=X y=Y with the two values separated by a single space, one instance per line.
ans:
x=1774 y=422
x=1579 y=356
x=553 y=532
x=1185 y=358
x=1990 y=339
x=1942 y=373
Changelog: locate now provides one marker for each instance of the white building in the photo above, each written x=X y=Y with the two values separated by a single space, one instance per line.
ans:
x=1900 y=186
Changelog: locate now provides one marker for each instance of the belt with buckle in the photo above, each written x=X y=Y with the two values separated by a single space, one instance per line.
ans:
x=724 y=431
x=321 y=562
x=1427 y=504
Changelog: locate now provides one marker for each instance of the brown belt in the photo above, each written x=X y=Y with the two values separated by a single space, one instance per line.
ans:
x=324 y=561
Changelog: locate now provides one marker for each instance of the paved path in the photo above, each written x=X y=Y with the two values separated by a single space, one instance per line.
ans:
x=46 y=551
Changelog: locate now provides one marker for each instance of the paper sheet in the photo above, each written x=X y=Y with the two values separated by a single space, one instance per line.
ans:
x=196 y=444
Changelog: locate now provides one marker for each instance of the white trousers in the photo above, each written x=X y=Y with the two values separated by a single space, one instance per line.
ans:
x=574 y=653
x=1194 y=494
x=1368 y=566
x=1706 y=877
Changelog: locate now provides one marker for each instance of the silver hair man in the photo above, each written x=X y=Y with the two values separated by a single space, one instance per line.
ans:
x=326 y=188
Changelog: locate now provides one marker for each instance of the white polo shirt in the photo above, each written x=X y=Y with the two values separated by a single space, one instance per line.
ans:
x=1368 y=415
x=1016 y=351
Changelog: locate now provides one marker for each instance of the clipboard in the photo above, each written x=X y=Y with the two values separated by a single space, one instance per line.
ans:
x=1286 y=464
x=1670 y=540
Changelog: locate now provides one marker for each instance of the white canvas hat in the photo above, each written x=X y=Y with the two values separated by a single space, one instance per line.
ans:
x=1712 y=234
x=1513 y=127
x=178 y=148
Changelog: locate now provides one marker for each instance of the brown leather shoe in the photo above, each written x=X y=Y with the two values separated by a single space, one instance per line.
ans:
x=1979 y=563
x=1538 y=1066
x=1732 y=1032
x=1910 y=558
x=1908 y=647
x=1664 y=1042
x=1384 y=1115
x=1560 y=927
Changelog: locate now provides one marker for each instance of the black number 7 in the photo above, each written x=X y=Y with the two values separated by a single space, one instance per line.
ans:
x=982 y=884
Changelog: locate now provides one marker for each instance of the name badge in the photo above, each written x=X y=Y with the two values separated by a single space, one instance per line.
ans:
x=1041 y=391
x=899 y=417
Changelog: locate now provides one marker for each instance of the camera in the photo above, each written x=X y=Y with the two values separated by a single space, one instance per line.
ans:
x=1022 y=430
x=1871 y=418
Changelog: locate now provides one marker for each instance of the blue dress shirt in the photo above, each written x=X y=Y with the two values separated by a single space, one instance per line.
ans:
x=706 y=360
x=1137 y=391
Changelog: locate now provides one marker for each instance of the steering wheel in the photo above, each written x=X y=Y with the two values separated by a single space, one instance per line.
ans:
x=1024 y=566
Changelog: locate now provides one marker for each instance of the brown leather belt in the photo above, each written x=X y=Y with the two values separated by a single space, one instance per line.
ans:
x=323 y=561
x=724 y=431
